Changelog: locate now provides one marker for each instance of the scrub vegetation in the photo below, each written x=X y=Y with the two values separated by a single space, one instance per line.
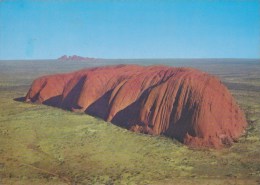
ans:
x=45 y=145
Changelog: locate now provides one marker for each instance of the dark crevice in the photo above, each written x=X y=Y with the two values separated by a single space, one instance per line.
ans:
x=70 y=101
x=100 y=107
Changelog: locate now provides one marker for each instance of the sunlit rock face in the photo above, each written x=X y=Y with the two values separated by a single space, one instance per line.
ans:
x=182 y=103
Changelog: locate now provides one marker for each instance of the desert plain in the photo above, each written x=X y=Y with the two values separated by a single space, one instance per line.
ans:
x=41 y=144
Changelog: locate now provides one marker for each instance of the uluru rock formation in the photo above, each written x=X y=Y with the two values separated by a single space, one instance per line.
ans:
x=183 y=103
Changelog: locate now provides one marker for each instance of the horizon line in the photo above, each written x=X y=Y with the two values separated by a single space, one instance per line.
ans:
x=146 y=58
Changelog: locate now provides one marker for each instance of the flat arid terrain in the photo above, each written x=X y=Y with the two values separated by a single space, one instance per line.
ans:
x=41 y=144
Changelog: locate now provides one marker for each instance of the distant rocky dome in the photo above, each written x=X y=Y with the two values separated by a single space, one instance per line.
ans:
x=182 y=103
x=74 y=58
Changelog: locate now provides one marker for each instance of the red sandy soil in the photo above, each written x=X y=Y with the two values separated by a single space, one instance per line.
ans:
x=183 y=103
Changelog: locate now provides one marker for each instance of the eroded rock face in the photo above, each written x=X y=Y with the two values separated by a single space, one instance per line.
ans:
x=183 y=103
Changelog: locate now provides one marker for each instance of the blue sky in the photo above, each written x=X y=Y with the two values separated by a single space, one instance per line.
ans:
x=39 y=29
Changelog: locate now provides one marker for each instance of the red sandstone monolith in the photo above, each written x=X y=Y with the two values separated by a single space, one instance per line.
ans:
x=183 y=103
